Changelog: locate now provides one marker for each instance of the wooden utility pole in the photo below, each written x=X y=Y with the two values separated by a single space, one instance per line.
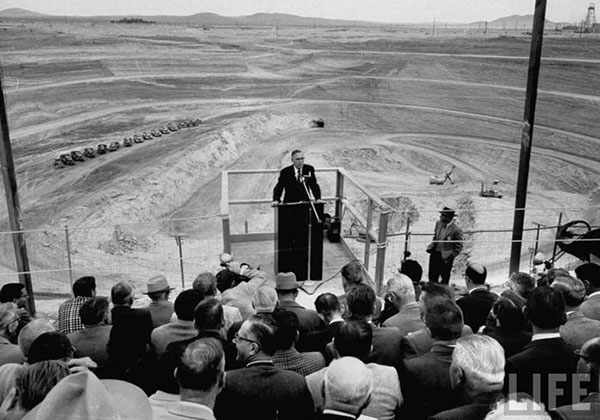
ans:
x=12 y=201
x=535 y=57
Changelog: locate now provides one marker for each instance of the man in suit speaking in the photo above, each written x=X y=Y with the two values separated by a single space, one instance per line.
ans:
x=293 y=179
x=297 y=241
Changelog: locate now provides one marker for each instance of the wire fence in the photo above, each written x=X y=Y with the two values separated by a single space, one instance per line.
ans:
x=134 y=252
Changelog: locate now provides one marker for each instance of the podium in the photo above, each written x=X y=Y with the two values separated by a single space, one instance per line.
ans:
x=299 y=240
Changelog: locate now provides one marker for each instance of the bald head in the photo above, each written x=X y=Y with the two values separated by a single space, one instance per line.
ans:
x=348 y=385
x=476 y=273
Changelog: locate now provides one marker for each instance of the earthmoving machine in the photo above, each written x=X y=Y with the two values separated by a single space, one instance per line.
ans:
x=146 y=135
x=317 y=123
x=441 y=180
x=196 y=122
x=137 y=138
x=164 y=130
x=156 y=132
x=89 y=152
x=114 y=146
x=58 y=163
x=77 y=156
x=579 y=239
x=490 y=192
x=66 y=159
x=102 y=149
x=128 y=142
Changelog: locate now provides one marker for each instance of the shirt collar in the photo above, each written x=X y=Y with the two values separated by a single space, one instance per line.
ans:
x=261 y=362
x=191 y=410
x=482 y=287
x=545 y=336
x=338 y=413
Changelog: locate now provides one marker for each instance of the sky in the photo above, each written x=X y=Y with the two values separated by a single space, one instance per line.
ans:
x=386 y=11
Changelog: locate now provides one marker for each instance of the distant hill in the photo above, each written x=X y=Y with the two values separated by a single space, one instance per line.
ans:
x=521 y=22
x=517 y=22
x=17 y=12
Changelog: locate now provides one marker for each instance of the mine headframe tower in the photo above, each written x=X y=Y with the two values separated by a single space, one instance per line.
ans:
x=589 y=25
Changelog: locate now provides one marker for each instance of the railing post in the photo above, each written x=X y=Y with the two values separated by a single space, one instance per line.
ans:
x=68 y=243
x=226 y=233
x=179 y=245
x=339 y=195
x=381 y=248
x=368 y=233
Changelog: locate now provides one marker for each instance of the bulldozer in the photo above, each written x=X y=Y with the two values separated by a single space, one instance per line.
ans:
x=89 y=152
x=441 y=179
x=490 y=192
x=102 y=148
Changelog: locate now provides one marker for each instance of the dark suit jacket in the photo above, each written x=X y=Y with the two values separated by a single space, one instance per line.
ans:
x=260 y=391
x=294 y=190
x=387 y=347
x=318 y=340
x=426 y=384
x=309 y=321
x=476 y=306
x=539 y=363
x=512 y=342
x=129 y=336
x=476 y=410
x=580 y=411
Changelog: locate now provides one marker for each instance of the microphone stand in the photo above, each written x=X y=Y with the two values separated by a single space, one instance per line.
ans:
x=312 y=204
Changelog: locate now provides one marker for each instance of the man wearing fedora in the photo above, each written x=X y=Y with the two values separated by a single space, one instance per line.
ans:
x=287 y=292
x=161 y=310
x=446 y=245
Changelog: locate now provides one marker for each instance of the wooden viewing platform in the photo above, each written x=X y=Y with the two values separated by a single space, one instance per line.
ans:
x=259 y=248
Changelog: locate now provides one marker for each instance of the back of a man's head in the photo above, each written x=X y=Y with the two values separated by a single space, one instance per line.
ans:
x=361 y=301
x=355 y=339
x=186 y=303
x=84 y=286
x=35 y=381
x=94 y=311
x=348 y=386
x=412 y=269
x=444 y=319
x=208 y=315
x=508 y=314
x=523 y=283
x=10 y=292
x=477 y=364
x=545 y=308
x=202 y=366
x=51 y=345
x=327 y=304
x=31 y=331
x=287 y=329
x=264 y=299
x=431 y=290
x=121 y=294
x=551 y=274
x=589 y=272
x=571 y=289
x=352 y=273
x=401 y=286
x=205 y=283
x=264 y=330
x=476 y=272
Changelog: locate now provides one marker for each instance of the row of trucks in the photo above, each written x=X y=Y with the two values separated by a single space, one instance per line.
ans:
x=69 y=158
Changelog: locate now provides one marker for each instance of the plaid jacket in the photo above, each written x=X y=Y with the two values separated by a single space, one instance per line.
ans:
x=68 y=315
x=302 y=363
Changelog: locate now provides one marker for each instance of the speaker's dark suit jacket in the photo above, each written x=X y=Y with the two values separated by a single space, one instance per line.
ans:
x=544 y=369
x=129 y=336
x=260 y=391
x=476 y=306
x=294 y=190
x=318 y=340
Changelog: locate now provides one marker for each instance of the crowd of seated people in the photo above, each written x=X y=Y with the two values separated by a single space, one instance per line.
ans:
x=239 y=345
